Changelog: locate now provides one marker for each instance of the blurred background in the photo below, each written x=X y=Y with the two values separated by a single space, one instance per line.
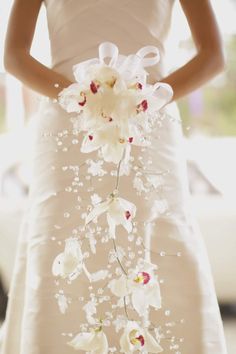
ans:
x=209 y=126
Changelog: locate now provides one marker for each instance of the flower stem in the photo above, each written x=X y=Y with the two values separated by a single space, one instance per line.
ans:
x=115 y=248
x=118 y=175
x=125 y=306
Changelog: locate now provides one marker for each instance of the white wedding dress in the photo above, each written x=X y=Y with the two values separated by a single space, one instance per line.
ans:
x=45 y=312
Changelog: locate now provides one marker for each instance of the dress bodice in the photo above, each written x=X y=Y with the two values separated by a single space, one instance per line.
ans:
x=77 y=27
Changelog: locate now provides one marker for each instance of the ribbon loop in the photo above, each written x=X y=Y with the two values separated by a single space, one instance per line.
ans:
x=148 y=50
x=80 y=70
x=108 y=49
x=130 y=66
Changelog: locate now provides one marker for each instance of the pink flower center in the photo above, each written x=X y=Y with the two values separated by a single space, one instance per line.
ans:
x=143 y=106
x=139 y=85
x=110 y=119
x=127 y=214
x=94 y=87
x=82 y=103
x=136 y=338
x=142 y=277
x=140 y=338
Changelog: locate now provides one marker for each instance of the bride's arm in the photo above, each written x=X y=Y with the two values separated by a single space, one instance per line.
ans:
x=209 y=59
x=17 y=58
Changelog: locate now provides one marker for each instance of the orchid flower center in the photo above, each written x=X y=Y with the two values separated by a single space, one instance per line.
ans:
x=142 y=278
x=114 y=194
x=111 y=82
x=82 y=103
x=98 y=329
x=130 y=139
x=136 y=338
x=137 y=86
x=110 y=119
x=127 y=214
x=94 y=85
x=121 y=140
x=143 y=106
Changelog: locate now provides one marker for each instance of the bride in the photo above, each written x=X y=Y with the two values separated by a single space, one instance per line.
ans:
x=69 y=288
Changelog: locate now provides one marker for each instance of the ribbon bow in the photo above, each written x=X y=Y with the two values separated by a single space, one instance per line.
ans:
x=129 y=66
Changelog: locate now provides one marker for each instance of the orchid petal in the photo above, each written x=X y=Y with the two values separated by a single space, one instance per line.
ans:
x=98 y=210
x=113 y=152
x=154 y=295
x=162 y=94
x=90 y=143
x=139 y=301
x=96 y=276
x=119 y=287
x=56 y=267
x=112 y=226
x=151 y=345
x=85 y=341
x=69 y=97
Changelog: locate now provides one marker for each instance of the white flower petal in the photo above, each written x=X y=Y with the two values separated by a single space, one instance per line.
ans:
x=103 y=345
x=98 y=210
x=127 y=225
x=56 y=267
x=62 y=302
x=112 y=226
x=151 y=345
x=126 y=205
x=126 y=346
x=85 y=341
x=69 y=97
x=95 y=342
x=113 y=152
x=69 y=264
x=88 y=144
x=154 y=295
x=100 y=274
x=139 y=301
x=162 y=94
x=116 y=212
x=119 y=287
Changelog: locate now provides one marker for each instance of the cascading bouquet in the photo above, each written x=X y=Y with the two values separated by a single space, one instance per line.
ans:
x=115 y=107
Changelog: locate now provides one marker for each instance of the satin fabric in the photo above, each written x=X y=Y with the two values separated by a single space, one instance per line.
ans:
x=190 y=316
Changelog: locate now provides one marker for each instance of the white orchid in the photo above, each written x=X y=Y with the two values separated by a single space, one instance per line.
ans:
x=72 y=98
x=114 y=142
x=62 y=301
x=94 y=341
x=112 y=111
x=141 y=284
x=109 y=140
x=69 y=263
x=119 y=212
x=104 y=93
x=157 y=96
x=136 y=338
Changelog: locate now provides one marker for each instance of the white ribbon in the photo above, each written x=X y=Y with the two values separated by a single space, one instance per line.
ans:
x=130 y=66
